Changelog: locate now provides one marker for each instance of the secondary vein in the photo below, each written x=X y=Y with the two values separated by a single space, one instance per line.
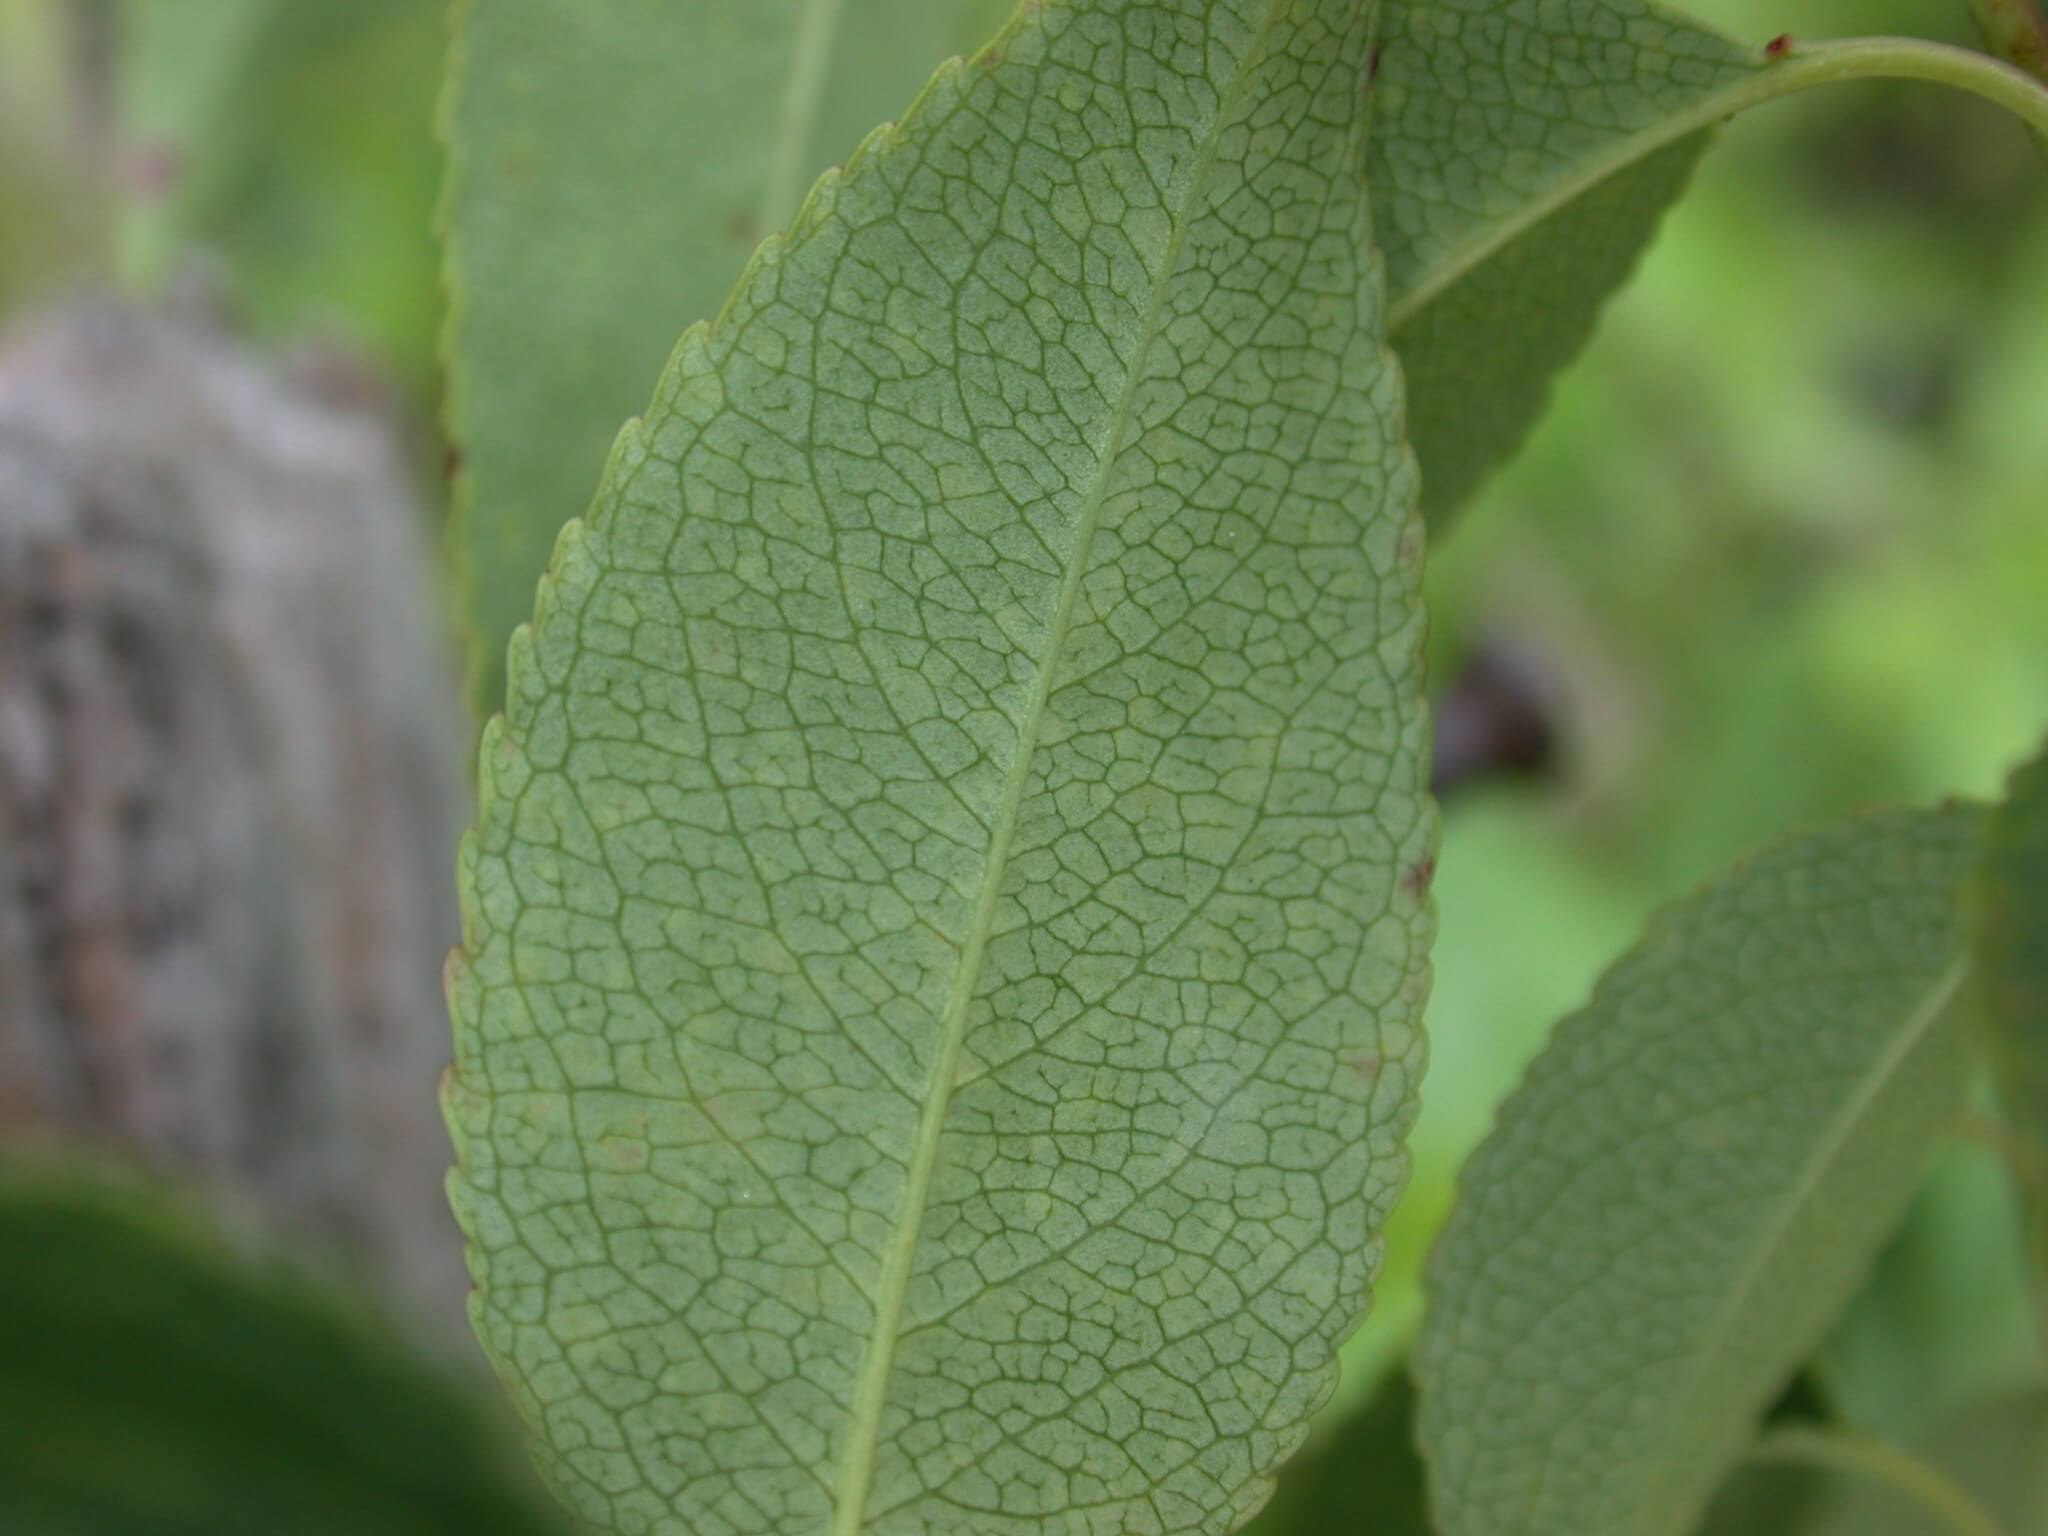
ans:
x=864 y=1427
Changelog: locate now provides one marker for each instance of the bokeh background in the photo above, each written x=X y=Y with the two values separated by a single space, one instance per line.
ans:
x=1777 y=550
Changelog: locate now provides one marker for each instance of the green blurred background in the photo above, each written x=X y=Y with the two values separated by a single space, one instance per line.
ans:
x=1778 y=549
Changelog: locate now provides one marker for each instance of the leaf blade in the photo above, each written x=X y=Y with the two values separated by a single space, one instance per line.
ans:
x=1786 y=1043
x=1523 y=155
x=1151 y=881
x=562 y=124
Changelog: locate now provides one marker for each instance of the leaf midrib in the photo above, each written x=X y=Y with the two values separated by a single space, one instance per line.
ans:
x=1810 y=65
x=1620 y=155
x=870 y=1393
x=1918 y=1026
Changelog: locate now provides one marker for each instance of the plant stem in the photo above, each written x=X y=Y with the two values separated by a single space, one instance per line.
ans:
x=1793 y=67
x=2015 y=30
x=1805 y=65
x=1861 y=1455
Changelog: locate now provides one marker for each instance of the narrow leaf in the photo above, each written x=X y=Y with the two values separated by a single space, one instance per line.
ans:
x=1523 y=153
x=1691 y=1180
x=610 y=169
x=945 y=936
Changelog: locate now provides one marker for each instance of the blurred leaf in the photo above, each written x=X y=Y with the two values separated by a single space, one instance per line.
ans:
x=947 y=926
x=1366 y=1479
x=292 y=144
x=1994 y=1452
x=1774 y=1498
x=1943 y=1317
x=150 y=1385
x=610 y=169
x=1691 y=1181
x=2010 y=914
x=1522 y=155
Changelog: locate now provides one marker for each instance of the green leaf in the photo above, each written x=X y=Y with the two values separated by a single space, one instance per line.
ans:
x=2009 y=911
x=1690 y=1182
x=1366 y=1477
x=1523 y=153
x=1981 y=1465
x=1944 y=1315
x=946 y=931
x=151 y=1384
x=611 y=167
x=1994 y=1450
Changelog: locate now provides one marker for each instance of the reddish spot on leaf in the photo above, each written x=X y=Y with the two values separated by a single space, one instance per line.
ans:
x=1366 y=1064
x=1372 y=65
x=1419 y=874
x=1778 y=46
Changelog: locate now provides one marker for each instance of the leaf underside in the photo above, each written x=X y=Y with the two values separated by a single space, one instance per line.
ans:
x=611 y=167
x=1517 y=173
x=945 y=935
x=1520 y=163
x=1691 y=1181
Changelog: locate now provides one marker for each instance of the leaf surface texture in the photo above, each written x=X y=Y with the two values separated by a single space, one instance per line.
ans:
x=1690 y=1182
x=945 y=935
x=1522 y=156
x=611 y=167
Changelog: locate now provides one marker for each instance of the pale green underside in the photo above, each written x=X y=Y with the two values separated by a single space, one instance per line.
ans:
x=1691 y=1181
x=946 y=933
x=612 y=166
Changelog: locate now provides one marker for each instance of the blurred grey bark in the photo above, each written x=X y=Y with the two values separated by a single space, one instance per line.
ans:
x=230 y=786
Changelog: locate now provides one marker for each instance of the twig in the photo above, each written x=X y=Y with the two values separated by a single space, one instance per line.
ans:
x=1864 y=1455
x=2015 y=30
